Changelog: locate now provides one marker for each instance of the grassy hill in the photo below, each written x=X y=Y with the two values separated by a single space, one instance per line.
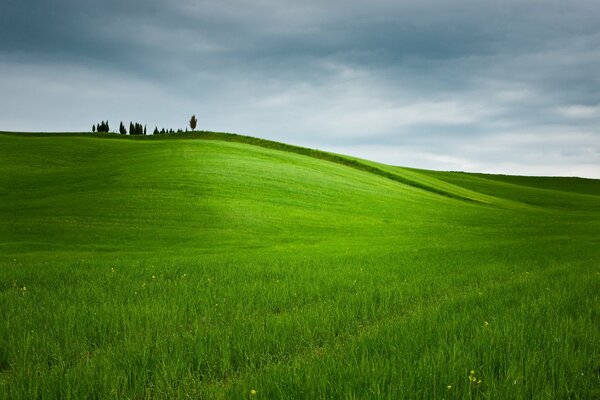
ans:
x=210 y=265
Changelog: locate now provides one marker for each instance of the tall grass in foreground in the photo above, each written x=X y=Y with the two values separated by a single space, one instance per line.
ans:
x=369 y=327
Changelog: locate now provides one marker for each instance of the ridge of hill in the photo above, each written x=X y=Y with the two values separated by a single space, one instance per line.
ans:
x=443 y=183
x=437 y=187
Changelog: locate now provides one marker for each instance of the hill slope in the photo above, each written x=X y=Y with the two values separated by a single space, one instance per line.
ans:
x=181 y=267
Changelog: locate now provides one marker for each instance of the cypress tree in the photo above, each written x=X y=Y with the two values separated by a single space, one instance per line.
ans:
x=94 y=128
x=156 y=132
x=144 y=130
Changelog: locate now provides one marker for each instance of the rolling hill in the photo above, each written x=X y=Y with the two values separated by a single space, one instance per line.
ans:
x=212 y=265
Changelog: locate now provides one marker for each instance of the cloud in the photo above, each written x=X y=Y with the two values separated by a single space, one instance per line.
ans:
x=579 y=111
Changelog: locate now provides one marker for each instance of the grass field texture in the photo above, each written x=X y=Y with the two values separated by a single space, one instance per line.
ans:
x=218 y=266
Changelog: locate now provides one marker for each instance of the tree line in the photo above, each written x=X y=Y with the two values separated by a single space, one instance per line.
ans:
x=135 y=128
x=102 y=127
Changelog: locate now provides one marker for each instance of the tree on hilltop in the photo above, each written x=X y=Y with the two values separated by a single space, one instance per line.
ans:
x=101 y=127
x=193 y=122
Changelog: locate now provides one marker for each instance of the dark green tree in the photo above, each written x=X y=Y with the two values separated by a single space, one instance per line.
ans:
x=193 y=122
x=94 y=128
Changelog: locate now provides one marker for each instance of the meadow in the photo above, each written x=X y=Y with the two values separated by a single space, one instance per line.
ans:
x=217 y=266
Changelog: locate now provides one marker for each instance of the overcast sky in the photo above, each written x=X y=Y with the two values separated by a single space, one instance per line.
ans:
x=490 y=86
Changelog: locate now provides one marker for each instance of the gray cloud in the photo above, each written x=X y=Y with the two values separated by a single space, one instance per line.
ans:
x=508 y=86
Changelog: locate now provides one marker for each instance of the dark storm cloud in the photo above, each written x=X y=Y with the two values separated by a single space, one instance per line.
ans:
x=508 y=86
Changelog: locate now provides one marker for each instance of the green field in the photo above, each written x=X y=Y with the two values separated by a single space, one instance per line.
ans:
x=218 y=266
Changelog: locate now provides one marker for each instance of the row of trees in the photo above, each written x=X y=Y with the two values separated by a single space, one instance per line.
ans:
x=134 y=129
x=163 y=130
x=139 y=129
x=101 y=127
